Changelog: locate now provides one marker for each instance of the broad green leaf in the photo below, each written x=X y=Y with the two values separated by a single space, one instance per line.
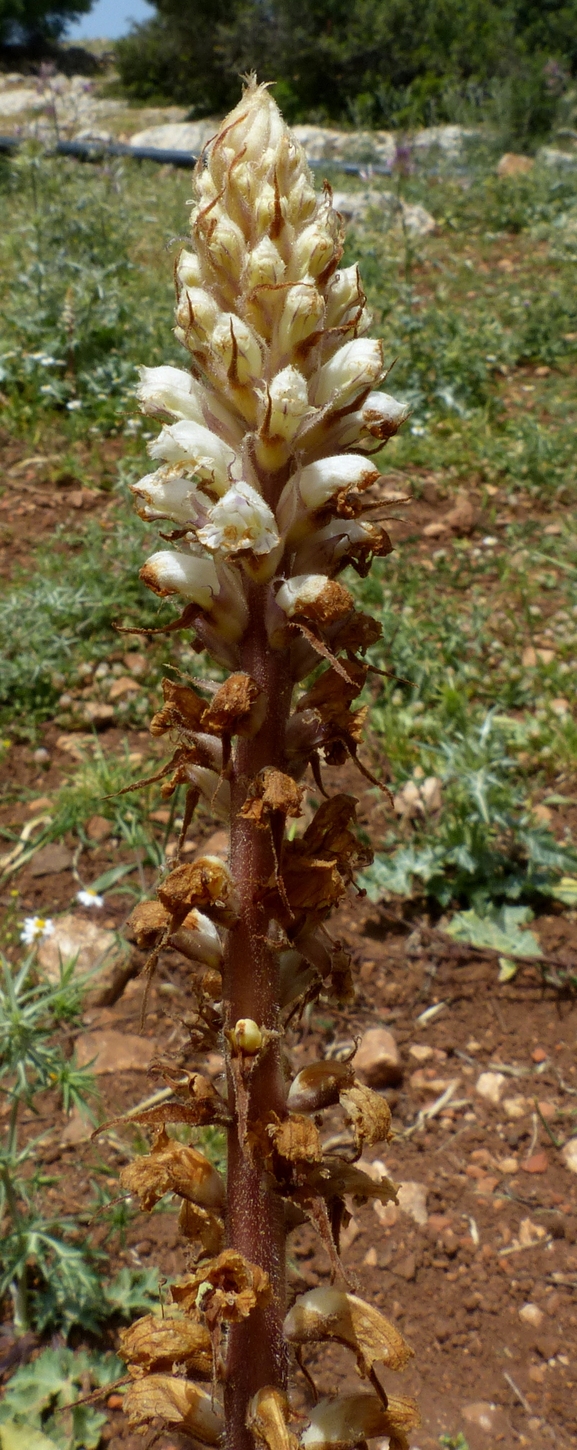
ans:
x=498 y=929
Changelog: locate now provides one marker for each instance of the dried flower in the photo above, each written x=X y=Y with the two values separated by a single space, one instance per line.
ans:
x=178 y=1402
x=332 y=1314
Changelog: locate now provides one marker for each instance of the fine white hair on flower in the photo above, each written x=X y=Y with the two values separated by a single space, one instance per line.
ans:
x=88 y=897
x=240 y=520
x=36 y=929
x=172 y=572
x=187 y=442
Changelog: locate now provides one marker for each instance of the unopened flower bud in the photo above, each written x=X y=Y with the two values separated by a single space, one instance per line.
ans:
x=313 y=250
x=227 y=248
x=355 y=366
x=188 y=271
x=264 y=264
x=301 y=201
x=171 y=572
x=344 y=296
x=187 y=442
x=246 y=1037
x=289 y=403
x=241 y=520
x=264 y=208
x=302 y=313
x=197 y=313
x=237 y=346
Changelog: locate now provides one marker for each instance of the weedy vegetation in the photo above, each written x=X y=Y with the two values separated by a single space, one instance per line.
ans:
x=47 y=1265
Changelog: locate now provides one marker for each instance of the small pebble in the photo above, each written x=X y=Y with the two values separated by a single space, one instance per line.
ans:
x=531 y=1314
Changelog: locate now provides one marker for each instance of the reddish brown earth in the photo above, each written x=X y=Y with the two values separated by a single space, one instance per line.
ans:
x=501 y=1230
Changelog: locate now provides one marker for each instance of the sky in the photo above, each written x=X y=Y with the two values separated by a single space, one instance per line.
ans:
x=108 y=19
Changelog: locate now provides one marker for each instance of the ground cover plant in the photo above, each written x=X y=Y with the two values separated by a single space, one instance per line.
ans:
x=474 y=734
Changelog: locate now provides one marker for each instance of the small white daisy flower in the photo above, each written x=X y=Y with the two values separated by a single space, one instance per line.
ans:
x=89 y=898
x=36 y=928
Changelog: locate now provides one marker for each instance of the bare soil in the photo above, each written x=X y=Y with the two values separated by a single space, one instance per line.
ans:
x=502 y=1206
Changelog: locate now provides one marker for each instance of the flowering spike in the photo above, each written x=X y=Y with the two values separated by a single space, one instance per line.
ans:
x=265 y=468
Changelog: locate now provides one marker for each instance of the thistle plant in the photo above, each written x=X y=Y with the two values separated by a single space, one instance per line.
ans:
x=265 y=477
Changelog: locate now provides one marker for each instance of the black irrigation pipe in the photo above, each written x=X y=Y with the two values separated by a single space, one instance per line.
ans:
x=96 y=150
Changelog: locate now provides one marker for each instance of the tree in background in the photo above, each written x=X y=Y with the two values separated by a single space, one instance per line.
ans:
x=35 y=22
x=373 y=62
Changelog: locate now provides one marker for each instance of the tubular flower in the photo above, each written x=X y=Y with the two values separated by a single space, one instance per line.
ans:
x=264 y=467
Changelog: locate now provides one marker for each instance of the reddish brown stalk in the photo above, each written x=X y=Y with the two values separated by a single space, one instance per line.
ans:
x=257 y=1352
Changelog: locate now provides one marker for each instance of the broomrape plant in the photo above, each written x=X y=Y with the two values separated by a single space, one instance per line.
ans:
x=265 y=466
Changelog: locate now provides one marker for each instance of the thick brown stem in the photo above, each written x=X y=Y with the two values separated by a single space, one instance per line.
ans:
x=255 y=1218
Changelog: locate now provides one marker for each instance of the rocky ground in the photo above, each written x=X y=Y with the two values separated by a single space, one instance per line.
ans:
x=478 y=1264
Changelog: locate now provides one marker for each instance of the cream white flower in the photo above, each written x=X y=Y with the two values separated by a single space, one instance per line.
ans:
x=166 y=495
x=203 y=938
x=348 y=1420
x=319 y=482
x=382 y=414
x=314 y=487
x=88 y=897
x=188 y=442
x=240 y=520
x=36 y=929
x=379 y=418
x=355 y=366
x=170 y=390
x=172 y=572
